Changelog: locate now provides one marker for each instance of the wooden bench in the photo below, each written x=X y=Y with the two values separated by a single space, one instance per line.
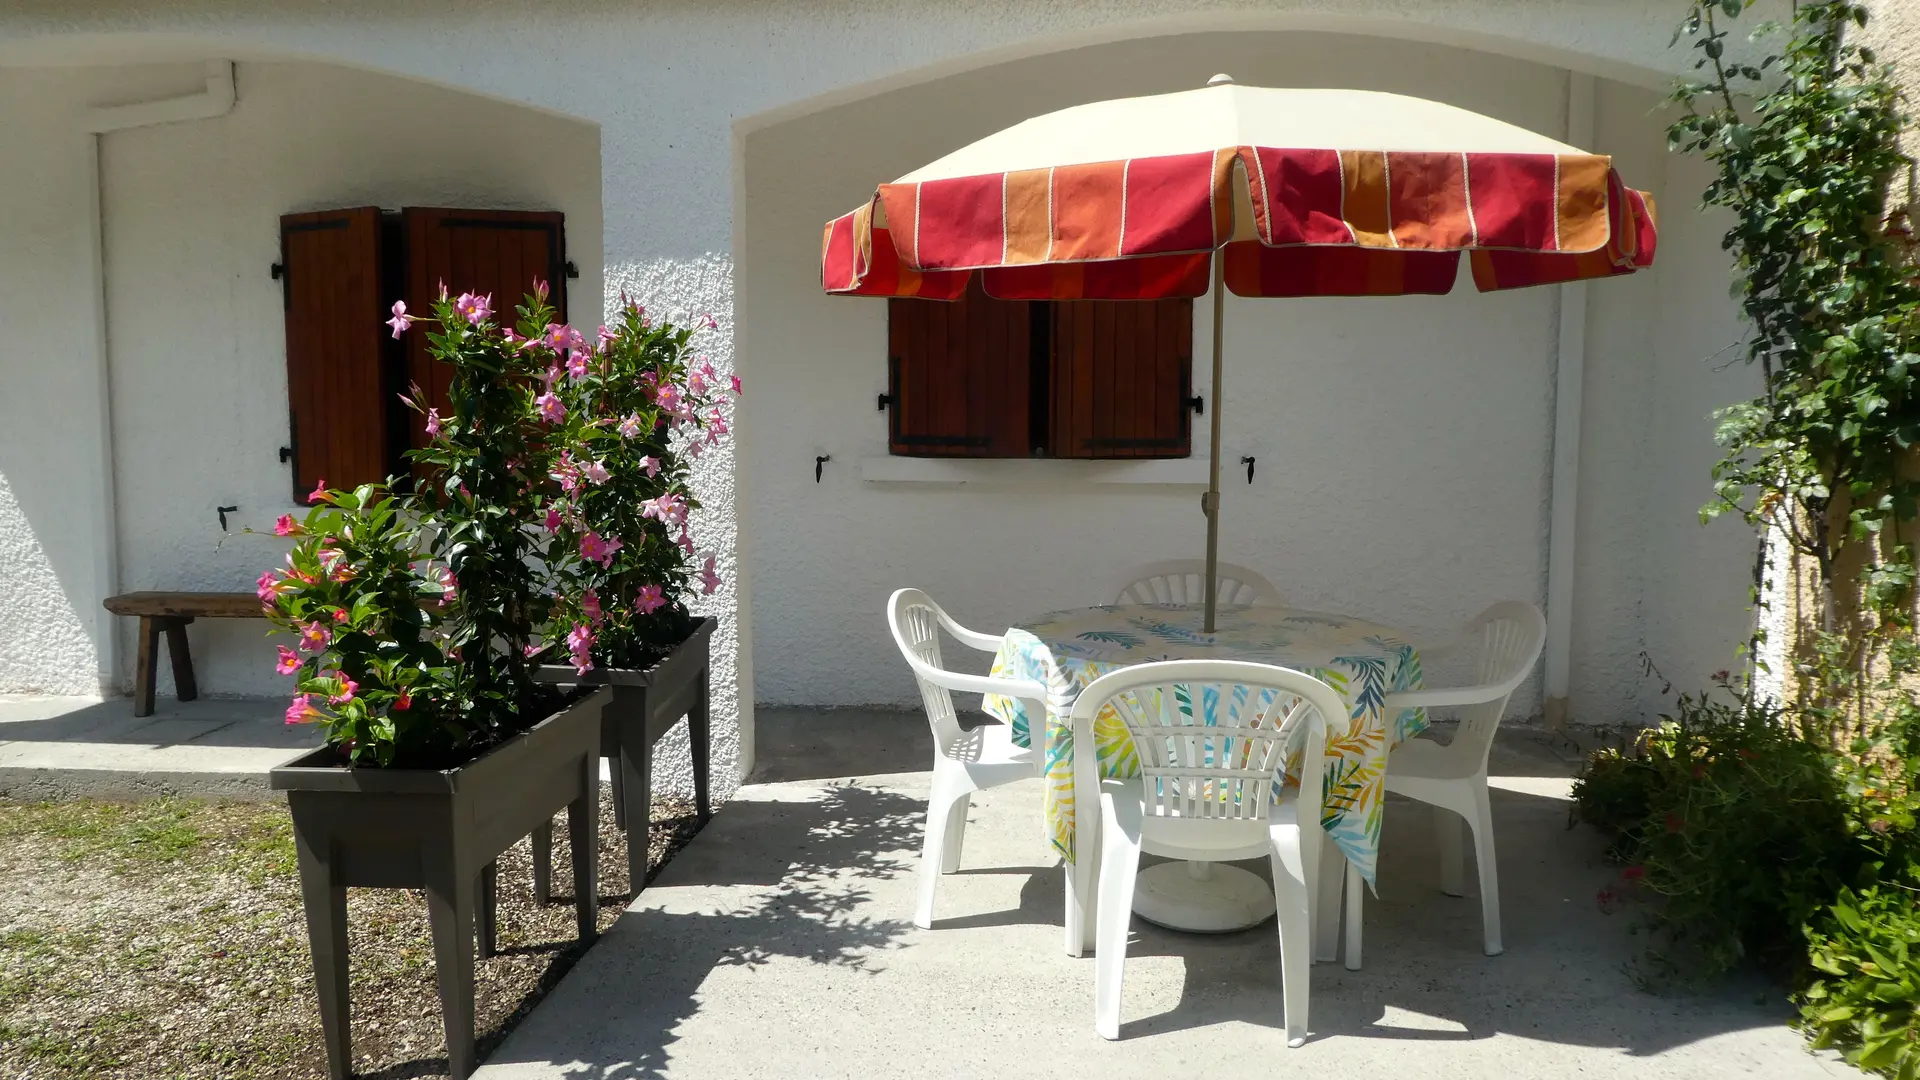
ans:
x=170 y=612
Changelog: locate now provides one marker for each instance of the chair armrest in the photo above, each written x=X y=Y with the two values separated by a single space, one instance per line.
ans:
x=1464 y=695
x=972 y=639
x=1026 y=689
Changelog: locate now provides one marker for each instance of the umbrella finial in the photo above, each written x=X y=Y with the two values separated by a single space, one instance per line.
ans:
x=1222 y=79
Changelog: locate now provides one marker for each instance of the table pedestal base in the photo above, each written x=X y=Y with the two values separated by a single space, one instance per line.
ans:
x=1202 y=898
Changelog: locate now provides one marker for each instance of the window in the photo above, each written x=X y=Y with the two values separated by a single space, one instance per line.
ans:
x=341 y=271
x=987 y=378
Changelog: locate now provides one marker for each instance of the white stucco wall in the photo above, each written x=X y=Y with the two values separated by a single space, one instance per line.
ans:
x=190 y=216
x=666 y=83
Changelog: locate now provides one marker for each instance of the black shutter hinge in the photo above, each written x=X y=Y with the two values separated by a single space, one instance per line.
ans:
x=223 y=511
x=1197 y=403
x=820 y=466
x=885 y=400
x=286 y=454
x=278 y=271
x=572 y=270
x=1248 y=462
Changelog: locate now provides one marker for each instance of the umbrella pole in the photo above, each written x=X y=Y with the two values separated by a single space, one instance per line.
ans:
x=1211 y=503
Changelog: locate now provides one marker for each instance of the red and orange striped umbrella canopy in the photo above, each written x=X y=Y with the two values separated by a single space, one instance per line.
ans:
x=1309 y=193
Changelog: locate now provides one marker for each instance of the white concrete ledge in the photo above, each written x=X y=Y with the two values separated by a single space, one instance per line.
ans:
x=1001 y=473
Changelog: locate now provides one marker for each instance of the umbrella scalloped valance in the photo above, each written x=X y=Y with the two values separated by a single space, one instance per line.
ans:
x=1323 y=223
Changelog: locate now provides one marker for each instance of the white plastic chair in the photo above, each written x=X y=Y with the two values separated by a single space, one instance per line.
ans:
x=965 y=760
x=1205 y=794
x=1184 y=581
x=1503 y=642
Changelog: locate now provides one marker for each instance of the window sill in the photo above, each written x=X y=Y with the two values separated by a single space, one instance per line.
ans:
x=1189 y=472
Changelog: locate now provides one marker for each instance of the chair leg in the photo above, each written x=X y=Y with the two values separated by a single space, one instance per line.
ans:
x=949 y=788
x=1292 y=898
x=956 y=834
x=1483 y=857
x=1356 y=900
x=1119 y=867
x=1446 y=833
x=1326 y=908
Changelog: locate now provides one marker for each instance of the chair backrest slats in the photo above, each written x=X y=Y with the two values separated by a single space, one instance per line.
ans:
x=1184 y=581
x=1213 y=736
x=1507 y=638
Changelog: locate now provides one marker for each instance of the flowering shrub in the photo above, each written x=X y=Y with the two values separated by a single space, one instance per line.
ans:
x=550 y=513
x=370 y=656
x=629 y=411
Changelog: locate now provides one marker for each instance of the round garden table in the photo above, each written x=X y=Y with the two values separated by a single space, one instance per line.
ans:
x=1362 y=661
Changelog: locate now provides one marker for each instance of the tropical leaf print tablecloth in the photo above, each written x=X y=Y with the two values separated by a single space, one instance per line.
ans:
x=1066 y=650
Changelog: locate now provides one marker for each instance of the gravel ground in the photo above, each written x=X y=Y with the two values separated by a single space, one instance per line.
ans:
x=166 y=940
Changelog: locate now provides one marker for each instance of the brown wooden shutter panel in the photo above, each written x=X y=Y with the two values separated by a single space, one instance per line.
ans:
x=1122 y=375
x=336 y=394
x=959 y=376
x=496 y=252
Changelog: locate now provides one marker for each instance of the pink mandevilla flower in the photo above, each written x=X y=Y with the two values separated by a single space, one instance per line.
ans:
x=319 y=492
x=289 y=661
x=685 y=542
x=734 y=381
x=707 y=320
x=607 y=335
x=577 y=364
x=553 y=519
x=401 y=320
x=630 y=427
x=668 y=397
x=314 y=636
x=474 y=309
x=347 y=688
x=650 y=599
x=590 y=603
x=267 y=587
x=667 y=509
x=556 y=336
x=551 y=409
x=709 y=580
x=444 y=578
x=302 y=710
x=433 y=423
x=286 y=526
x=580 y=645
x=596 y=471
x=651 y=465
x=596 y=548
x=697 y=384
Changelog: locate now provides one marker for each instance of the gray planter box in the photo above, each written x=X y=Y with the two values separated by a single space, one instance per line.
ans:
x=646 y=704
x=439 y=830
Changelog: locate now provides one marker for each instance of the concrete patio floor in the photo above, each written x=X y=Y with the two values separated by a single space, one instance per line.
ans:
x=778 y=944
x=67 y=747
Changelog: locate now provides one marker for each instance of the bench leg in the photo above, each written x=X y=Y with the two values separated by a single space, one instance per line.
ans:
x=184 y=687
x=143 y=672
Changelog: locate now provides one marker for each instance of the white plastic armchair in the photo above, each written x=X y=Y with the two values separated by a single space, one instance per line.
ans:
x=1184 y=581
x=1502 y=642
x=965 y=760
x=1204 y=793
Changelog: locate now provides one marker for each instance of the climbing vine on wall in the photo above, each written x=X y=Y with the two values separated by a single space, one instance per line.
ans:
x=1805 y=141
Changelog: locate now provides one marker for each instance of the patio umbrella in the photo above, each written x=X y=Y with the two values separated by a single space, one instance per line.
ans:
x=1267 y=192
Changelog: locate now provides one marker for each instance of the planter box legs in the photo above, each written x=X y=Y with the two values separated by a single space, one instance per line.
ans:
x=632 y=788
x=644 y=707
x=439 y=831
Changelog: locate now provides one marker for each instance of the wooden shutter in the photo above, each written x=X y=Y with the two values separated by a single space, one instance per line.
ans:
x=959 y=376
x=496 y=252
x=336 y=392
x=1122 y=373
